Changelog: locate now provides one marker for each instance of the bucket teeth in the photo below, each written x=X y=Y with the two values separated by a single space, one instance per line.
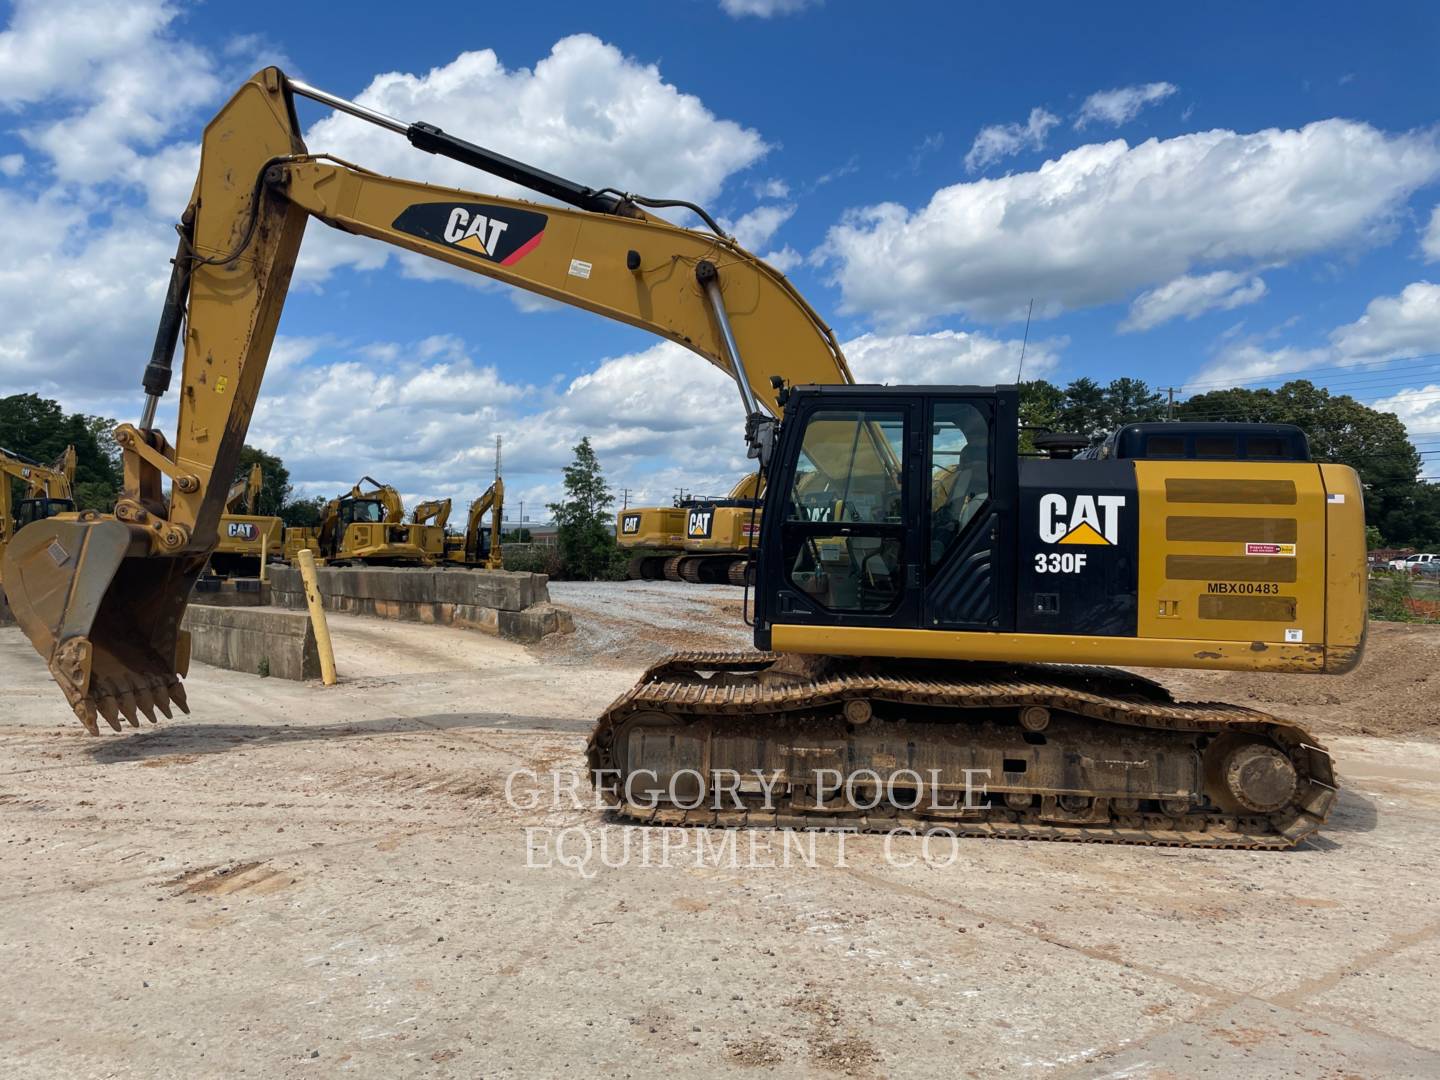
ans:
x=177 y=695
x=109 y=709
x=162 y=698
x=127 y=706
x=85 y=710
x=145 y=699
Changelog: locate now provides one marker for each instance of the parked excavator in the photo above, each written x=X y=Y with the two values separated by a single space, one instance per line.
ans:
x=246 y=538
x=47 y=491
x=472 y=547
x=706 y=539
x=367 y=525
x=478 y=546
x=923 y=641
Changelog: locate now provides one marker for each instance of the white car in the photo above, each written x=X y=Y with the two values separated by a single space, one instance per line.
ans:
x=1413 y=563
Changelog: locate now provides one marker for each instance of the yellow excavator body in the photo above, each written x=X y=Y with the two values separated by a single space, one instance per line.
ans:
x=367 y=525
x=47 y=491
x=700 y=539
x=911 y=568
x=246 y=538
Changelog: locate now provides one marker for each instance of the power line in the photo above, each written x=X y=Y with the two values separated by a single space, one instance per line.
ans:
x=1359 y=365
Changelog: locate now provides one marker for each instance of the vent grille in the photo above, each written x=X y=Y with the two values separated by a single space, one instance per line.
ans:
x=1249 y=608
x=1229 y=568
x=1277 y=492
x=1240 y=530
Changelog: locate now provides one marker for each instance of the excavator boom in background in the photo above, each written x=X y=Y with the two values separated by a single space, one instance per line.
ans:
x=917 y=575
x=47 y=491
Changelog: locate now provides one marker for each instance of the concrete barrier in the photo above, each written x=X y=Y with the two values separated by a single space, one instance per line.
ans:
x=261 y=641
x=511 y=604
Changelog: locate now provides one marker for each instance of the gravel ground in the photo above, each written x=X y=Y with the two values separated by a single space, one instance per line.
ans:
x=301 y=881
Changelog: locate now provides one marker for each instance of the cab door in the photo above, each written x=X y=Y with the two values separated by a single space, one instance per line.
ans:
x=844 y=506
x=968 y=516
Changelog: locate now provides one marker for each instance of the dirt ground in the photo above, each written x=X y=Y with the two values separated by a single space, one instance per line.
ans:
x=302 y=881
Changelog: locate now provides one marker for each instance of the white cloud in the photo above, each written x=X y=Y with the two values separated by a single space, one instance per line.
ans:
x=1191 y=296
x=765 y=9
x=785 y=259
x=1406 y=324
x=1004 y=140
x=1106 y=219
x=585 y=111
x=12 y=165
x=1430 y=239
x=1418 y=409
x=754 y=229
x=1121 y=105
x=120 y=79
x=946 y=357
x=1393 y=326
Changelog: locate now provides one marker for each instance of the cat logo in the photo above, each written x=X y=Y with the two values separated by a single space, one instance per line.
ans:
x=502 y=234
x=1092 y=519
x=630 y=524
x=699 y=524
x=241 y=530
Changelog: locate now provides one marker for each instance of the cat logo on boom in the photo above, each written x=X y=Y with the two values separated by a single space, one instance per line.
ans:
x=1085 y=519
x=502 y=234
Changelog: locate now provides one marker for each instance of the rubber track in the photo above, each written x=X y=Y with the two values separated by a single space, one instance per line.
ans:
x=674 y=686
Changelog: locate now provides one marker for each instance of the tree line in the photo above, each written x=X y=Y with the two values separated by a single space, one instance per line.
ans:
x=1401 y=508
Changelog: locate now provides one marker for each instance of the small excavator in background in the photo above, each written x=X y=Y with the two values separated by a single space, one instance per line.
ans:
x=928 y=606
x=48 y=491
x=246 y=538
x=368 y=525
x=473 y=547
x=700 y=539
x=478 y=546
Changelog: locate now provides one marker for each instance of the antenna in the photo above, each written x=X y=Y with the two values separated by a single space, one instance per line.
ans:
x=1029 y=311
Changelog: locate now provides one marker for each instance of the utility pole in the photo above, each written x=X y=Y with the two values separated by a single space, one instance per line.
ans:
x=1170 y=408
x=497 y=457
x=522 y=511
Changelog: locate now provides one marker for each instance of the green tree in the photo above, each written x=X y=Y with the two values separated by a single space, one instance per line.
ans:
x=1341 y=429
x=587 y=548
x=275 y=489
x=40 y=429
x=303 y=513
x=1040 y=405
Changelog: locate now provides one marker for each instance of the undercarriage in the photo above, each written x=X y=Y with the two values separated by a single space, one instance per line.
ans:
x=1008 y=751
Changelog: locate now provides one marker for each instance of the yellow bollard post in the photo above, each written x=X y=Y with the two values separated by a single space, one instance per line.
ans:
x=306 y=559
x=264 y=555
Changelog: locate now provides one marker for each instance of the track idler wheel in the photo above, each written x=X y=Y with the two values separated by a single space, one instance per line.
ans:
x=1259 y=777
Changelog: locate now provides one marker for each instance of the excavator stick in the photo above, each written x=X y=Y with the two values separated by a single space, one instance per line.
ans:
x=106 y=621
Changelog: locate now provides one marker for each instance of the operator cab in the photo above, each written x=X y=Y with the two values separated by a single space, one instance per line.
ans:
x=28 y=510
x=365 y=511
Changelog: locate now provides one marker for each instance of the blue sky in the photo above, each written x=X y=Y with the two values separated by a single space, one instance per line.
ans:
x=1192 y=197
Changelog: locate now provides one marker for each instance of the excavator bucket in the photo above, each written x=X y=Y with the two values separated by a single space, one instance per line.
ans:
x=106 y=621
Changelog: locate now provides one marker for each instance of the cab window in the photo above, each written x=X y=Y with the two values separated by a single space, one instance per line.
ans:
x=960 y=473
x=845 y=511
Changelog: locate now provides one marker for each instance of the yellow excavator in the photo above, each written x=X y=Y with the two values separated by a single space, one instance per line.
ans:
x=478 y=546
x=367 y=525
x=47 y=491
x=908 y=644
x=699 y=539
x=246 y=538
x=472 y=547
